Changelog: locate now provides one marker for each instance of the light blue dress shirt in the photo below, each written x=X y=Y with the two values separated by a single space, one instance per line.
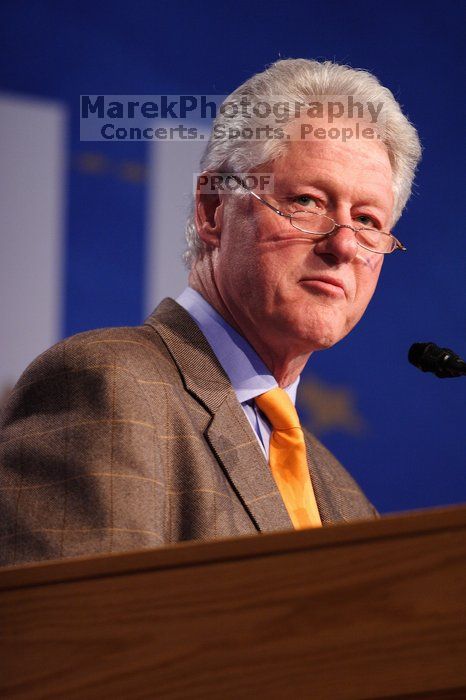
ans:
x=248 y=375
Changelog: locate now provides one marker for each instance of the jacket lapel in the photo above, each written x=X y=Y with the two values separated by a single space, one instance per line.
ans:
x=235 y=445
x=229 y=433
x=323 y=481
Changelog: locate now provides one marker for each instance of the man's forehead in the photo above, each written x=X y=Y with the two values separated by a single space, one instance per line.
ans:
x=306 y=155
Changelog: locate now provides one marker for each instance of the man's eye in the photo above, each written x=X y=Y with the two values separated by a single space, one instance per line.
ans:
x=305 y=200
x=367 y=220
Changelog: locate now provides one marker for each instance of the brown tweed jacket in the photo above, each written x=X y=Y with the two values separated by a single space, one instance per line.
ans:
x=125 y=438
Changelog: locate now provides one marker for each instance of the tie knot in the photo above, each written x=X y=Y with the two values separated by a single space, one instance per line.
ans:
x=279 y=409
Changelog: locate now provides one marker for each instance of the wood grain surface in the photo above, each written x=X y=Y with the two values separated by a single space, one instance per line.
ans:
x=364 y=610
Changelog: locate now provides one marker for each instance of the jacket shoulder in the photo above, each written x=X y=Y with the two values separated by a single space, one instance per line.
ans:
x=88 y=366
x=124 y=343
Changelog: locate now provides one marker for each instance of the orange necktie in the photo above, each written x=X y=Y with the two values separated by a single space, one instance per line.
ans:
x=287 y=458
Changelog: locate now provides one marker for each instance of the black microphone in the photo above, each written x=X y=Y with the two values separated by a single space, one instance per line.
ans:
x=441 y=361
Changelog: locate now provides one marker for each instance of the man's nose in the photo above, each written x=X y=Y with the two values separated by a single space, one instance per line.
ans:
x=341 y=244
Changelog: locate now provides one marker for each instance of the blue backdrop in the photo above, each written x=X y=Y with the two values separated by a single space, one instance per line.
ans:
x=399 y=432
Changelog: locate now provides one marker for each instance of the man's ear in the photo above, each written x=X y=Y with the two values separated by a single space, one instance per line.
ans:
x=208 y=215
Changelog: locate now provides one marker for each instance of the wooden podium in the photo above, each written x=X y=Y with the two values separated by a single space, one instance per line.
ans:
x=363 y=610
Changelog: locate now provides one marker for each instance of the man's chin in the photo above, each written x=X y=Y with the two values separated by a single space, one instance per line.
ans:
x=317 y=334
x=306 y=342
x=323 y=342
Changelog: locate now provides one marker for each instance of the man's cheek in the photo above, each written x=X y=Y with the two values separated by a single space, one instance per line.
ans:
x=372 y=261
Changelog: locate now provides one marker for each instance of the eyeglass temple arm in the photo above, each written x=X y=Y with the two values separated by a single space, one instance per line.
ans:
x=267 y=204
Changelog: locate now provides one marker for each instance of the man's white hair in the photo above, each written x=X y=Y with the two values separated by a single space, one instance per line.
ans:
x=294 y=81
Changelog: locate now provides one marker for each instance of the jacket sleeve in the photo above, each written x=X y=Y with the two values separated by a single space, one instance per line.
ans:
x=75 y=478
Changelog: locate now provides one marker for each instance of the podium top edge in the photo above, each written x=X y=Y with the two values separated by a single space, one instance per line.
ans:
x=195 y=553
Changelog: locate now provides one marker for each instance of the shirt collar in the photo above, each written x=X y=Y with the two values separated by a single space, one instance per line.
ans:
x=248 y=375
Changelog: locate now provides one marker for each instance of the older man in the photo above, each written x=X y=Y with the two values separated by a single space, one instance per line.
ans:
x=185 y=427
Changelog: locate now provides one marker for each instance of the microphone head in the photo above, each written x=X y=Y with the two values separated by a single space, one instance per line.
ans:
x=419 y=355
x=443 y=362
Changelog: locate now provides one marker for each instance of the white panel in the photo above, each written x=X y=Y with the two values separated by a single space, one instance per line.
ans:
x=32 y=136
x=171 y=169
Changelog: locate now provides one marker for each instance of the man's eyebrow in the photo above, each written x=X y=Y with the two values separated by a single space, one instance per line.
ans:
x=303 y=183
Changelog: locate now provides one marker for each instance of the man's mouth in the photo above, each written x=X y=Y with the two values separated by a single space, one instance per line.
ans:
x=332 y=286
